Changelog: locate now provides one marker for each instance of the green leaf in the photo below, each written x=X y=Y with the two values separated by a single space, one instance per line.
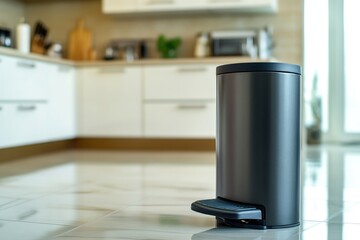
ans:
x=168 y=47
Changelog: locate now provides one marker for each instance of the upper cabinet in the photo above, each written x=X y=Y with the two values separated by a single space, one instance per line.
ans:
x=171 y=6
x=242 y=5
x=116 y=6
x=168 y=5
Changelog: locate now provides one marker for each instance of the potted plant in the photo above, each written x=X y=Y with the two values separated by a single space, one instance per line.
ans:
x=314 y=130
x=168 y=47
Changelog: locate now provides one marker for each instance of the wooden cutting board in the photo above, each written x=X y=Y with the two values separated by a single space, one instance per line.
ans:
x=80 y=42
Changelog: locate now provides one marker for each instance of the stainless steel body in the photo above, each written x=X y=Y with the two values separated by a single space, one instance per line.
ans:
x=258 y=143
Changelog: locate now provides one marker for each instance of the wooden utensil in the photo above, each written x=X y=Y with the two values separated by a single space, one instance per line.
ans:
x=80 y=42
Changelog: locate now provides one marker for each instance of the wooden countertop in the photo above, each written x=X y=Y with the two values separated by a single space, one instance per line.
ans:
x=209 y=60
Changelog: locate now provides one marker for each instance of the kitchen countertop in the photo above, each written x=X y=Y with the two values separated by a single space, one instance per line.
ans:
x=33 y=56
x=209 y=60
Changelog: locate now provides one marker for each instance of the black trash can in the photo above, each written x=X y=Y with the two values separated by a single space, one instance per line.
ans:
x=257 y=146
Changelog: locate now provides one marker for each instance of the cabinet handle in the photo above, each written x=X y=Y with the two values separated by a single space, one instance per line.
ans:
x=64 y=69
x=26 y=65
x=158 y=2
x=26 y=108
x=111 y=70
x=200 y=69
x=191 y=106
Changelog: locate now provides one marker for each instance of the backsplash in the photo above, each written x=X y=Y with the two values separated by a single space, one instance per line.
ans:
x=61 y=17
x=10 y=13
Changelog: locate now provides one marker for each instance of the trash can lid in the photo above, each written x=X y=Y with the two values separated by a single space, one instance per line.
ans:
x=259 y=67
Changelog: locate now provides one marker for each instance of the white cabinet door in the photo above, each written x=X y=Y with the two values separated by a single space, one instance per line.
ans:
x=6 y=125
x=169 y=5
x=62 y=116
x=30 y=123
x=180 y=101
x=180 y=119
x=23 y=79
x=180 y=82
x=111 y=102
x=24 y=123
x=119 y=6
x=242 y=5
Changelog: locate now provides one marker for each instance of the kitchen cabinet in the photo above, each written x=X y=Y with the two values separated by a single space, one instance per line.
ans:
x=172 y=6
x=23 y=101
x=5 y=124
x=23 y=79
x=179 y=101
x=243 y=5
x=37 y=101
x=187 y=119
x=111 y=102
x=62 y=102
x=168 y=5
x=116 y=6
x=180 y=82
x=23 y=123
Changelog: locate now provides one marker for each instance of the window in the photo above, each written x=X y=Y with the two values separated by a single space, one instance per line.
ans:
x=331 y=45
x=351 y=60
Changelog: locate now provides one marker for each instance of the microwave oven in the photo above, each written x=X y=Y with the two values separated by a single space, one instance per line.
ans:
x=234 y=43
x=251 y=43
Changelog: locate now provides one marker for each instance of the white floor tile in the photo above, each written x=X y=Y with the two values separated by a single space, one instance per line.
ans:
x=147 y=195
x=10 y=230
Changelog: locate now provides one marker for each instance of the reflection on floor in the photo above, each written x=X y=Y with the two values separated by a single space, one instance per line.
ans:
x=147 y=195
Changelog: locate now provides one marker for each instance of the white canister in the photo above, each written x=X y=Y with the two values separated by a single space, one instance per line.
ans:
x=23 y=38
x=202 y=47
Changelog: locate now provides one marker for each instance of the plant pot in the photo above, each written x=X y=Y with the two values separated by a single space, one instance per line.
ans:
x=170 y=53
x=314 y=135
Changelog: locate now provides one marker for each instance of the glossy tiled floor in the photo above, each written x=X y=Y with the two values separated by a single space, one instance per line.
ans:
x=147 y=195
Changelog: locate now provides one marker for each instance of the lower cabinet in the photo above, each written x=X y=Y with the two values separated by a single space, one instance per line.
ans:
x=111 y=102
x=179 y=101
x=37 y=102
x=23 y=79
x=62 y=103
x=5 y=124
x=23 y=123
x=180 y=119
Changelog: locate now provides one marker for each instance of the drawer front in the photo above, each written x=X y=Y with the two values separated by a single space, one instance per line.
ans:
x=181 y=82
x=6 y=125
x=23 y=79
x=26 y=122
x=111 y=103
x=180 y=119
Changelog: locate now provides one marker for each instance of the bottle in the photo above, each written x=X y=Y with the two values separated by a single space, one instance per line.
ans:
x=265 y=43
x=23 y=32
x=202 y=47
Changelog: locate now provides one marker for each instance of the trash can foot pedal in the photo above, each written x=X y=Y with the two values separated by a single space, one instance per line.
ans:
x=226 y=209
